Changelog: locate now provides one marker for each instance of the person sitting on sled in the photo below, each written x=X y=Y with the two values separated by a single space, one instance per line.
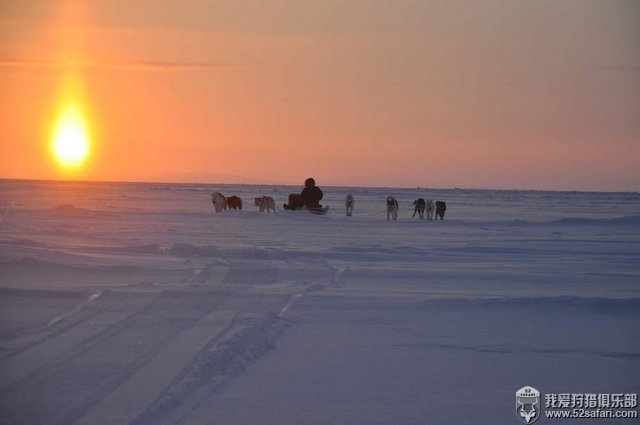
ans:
x=309 y=198
x=311 y=194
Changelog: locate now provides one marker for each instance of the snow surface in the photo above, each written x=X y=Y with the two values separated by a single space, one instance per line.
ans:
x=137 y=304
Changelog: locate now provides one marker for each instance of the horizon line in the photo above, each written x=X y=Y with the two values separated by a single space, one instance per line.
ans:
x=61 y=180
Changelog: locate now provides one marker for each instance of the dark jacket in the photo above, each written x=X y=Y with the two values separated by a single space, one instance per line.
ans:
x=311 y=196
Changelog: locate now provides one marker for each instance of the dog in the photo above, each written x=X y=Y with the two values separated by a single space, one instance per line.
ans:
x=430 y=208
x=349 y=202
x=419 y=205
x=441 y=207
x=219 y=201
x=392 y=208
x=234 y=202
x=265 y=203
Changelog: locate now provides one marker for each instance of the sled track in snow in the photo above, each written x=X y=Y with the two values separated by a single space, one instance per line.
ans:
x=43 y=336
x=56 y=326
x=227 y=354
x=102 y=361
x=138 y=358
x=144 y=357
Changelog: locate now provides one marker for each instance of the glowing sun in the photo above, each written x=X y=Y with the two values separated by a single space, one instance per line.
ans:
x=70 y=140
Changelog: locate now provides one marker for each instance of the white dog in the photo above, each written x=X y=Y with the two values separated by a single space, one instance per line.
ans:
x=348 y=202
x=265 y=203
x=392 y=208
x=430 y=209
x=219 y=201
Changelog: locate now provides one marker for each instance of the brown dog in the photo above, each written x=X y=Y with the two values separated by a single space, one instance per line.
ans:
x=234 y=202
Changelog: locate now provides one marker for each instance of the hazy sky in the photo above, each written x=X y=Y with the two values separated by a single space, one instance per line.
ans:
x=541 y=94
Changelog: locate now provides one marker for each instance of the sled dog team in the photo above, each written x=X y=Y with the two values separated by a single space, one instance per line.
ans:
x=419 y=207
x=268 y=204
x=221 y=203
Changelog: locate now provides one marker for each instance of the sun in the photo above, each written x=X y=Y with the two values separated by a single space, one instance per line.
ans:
x=70 y=140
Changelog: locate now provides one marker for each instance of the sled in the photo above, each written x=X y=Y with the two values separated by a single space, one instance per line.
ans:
x=317 y=211
x=296 y=203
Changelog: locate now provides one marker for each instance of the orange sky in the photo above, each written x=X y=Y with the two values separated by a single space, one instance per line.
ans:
x=538 y=94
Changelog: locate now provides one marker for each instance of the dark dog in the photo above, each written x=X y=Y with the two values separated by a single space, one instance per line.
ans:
x=441 y=207
x=392 y=208
x=419 y=205
x=234 y=202
x=348 y=203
